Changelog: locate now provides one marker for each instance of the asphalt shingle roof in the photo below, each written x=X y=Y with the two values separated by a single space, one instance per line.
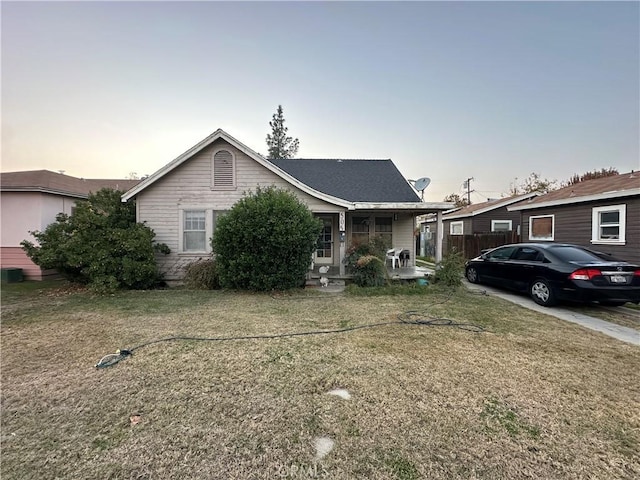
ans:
x=351 y=180
x=615 y=183
x=51 y=182
x=470 y=210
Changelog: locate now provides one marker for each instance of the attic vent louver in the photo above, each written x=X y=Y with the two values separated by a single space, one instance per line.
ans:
x=223 y=170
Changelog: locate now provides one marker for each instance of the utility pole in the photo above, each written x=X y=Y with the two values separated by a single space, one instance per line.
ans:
x=467 y=185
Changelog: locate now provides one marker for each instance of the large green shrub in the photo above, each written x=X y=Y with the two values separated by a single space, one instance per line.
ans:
x=265 y=241
x=99 y=244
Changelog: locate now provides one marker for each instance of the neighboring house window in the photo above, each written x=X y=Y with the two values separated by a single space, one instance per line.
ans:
x=384 y=228
x=194 y=231
x=608 y=224
x=541 y=227
x=501 y=225
x=360 y=229
x=456 y=228
x=224 y=171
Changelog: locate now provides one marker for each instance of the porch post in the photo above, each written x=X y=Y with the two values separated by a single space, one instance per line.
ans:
x=439 y=235
x=343 y=234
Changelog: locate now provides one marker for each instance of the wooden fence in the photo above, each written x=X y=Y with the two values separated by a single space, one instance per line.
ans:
x=472 y=245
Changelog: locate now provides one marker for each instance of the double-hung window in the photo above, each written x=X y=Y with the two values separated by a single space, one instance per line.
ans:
x=194 y=231
x=608 y=224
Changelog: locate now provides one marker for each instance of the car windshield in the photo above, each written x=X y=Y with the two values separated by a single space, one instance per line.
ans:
x=573 y=254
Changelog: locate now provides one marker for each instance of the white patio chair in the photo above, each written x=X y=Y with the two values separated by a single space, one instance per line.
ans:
x=393 y=254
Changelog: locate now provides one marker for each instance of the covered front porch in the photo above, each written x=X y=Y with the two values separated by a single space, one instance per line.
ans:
x=393 y=224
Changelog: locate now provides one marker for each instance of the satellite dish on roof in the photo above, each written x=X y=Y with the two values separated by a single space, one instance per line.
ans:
x=422 y=183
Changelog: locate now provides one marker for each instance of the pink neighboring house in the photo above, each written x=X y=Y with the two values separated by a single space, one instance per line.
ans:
x=30 y=201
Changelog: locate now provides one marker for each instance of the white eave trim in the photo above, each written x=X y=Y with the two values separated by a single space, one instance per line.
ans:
x=221 y=134
x=45 y=190
x=580 y=199
x=491 y=207
x=414 y=206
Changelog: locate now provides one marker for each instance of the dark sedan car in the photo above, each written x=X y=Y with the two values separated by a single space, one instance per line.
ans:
x=550 y=272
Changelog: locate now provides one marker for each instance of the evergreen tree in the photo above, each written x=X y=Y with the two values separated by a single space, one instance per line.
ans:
x=279 y=144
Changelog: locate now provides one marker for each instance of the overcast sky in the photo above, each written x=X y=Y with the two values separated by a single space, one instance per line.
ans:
x=447 y=90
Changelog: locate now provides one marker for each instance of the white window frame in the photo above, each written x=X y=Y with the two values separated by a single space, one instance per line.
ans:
x=233 y=166
x=210 y=219
x=553 y=228
x=456 y=224
x=493 y=225
x=595 y=225
x=182 y=231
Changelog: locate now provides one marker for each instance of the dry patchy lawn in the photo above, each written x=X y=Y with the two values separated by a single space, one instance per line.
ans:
x=531 y=397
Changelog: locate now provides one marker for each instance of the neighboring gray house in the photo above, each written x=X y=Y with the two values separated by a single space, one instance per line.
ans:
x=486 y=217
x=602 y=214
x=355 y=199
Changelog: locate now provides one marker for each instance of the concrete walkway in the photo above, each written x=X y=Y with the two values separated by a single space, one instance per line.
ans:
x=619 y=332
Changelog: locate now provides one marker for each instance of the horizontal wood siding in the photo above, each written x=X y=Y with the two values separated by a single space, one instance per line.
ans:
x=403 y=235
x=467 y=227
x=572 y=224
x=15 y=257
x=482 y=221
x=189 y=185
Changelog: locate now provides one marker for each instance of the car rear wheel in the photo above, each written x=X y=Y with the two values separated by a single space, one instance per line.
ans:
x=542 y=293
x=472 y=275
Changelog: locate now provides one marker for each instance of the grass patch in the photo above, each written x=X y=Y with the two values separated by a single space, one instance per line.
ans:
x=500 y=416
x=410 y=288
x=401 y=468
x=530 y=394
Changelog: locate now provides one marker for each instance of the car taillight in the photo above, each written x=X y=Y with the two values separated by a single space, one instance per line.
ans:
x=636 y=273
x=585 y=274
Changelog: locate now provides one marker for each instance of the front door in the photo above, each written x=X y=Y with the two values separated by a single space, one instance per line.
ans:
x=324 y=252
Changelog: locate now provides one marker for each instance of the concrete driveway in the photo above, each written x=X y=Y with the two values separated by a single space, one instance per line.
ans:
x=619 y=332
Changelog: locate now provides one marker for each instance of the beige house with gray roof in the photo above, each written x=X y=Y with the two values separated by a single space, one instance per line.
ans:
x=355 y=199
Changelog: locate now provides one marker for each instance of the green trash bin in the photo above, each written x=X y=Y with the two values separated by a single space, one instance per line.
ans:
x=11 y=275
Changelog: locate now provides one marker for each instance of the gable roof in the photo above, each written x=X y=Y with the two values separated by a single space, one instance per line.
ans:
x=45 y=181
x=312 y=188
x=221 y=134
x=352 y=180
x=616 y=186
x=478 y=208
